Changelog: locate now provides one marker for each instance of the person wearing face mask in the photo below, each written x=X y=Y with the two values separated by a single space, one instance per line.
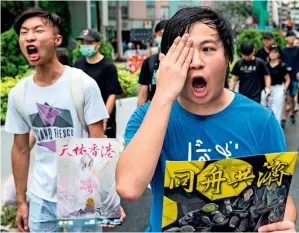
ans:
x=103 y=72
x=147 y=78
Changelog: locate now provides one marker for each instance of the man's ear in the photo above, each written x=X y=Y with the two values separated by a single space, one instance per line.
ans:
x=58 y=40
x=98 y=46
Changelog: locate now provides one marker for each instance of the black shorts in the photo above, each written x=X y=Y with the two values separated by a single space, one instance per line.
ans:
x=111 y=130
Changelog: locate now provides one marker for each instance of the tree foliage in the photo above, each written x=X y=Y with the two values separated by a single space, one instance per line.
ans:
x=60 y=8
x=10 y=11
x=256 y=37
x=12 y=60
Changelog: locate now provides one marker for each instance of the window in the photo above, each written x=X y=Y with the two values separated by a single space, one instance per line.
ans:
x=124 y=12
x=150 y=12
x=112 y=12
x=164 y=12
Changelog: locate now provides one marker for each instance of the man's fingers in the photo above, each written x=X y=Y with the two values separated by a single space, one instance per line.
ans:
x=188 y=61
x=19 y=223
x=278 y=226
x=161 y=56
x=173 y=47
x=183 y=56
x=179 y=48
x=25 y=220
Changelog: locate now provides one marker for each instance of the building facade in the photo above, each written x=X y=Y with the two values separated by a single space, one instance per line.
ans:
x=101 y=15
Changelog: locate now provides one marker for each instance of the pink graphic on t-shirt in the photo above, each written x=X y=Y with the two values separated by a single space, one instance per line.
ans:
x=47 y=113
x=49 y=145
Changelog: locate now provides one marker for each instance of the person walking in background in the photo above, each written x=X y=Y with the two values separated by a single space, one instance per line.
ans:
x=147 y=77
x=291 y=58
x=268 y=41
x=280 y=81
x=103 y=72
x=252 y=74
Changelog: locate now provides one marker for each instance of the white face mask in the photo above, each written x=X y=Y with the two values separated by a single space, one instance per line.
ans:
x=158 y=41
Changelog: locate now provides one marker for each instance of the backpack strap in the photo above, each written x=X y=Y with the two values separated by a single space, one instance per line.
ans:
x=77 y=95
x=19 y=96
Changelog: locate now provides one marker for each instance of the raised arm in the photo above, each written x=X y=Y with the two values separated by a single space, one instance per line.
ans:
x=138 y=162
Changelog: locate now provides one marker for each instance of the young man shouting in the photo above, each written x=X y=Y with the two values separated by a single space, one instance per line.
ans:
x=47 y=109
x=191 y=104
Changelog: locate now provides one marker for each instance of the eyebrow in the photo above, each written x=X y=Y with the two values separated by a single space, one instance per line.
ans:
x=38 y=26
x=209 y=41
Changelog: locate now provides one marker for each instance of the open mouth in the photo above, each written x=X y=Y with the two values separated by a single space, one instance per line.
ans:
x=199 y=86
x=32 y=52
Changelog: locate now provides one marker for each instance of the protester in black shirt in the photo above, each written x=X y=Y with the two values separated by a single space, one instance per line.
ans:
x=291 y=58
x=252 y=74
x=103 y=72
x=267 y=42
x=280 y=81
x=147 y=77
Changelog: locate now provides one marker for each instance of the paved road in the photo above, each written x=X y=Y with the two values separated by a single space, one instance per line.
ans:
x=138 y=212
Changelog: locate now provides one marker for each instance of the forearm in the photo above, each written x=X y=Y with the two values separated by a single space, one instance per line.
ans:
x=133 y=174
x=287 y=82
x=291 y=210
x=142 y=95
x=20 y=168
x=232 y=84
x=141 y=99
x=268 y=81
x=110 y=103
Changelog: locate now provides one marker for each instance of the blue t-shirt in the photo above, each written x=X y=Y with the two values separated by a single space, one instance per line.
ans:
x=243 y=128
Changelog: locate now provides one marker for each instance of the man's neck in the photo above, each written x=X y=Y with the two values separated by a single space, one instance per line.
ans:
x=213 y=107
x=290 y=45
x=95 y=59
x=49 y=73
x=266 y=49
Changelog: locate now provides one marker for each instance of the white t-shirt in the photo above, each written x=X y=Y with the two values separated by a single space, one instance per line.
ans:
x=52 y=114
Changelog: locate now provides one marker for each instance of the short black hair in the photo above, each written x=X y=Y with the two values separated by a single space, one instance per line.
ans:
x=247 y=48
x=186 y=17
x=50 y=18
x=161 y=25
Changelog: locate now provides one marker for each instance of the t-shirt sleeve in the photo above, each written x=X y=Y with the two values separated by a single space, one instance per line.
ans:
x=14 y=122
x=284 y=69
x=113 y=87
x=145 y=74
x=94 y=107
x=273 y=139
x=135 y=122
x=236 y=69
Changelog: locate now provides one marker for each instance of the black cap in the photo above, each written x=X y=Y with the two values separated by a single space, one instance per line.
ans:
x=268 y=35
x=247 y=48
x=290 y=33
x=89 y=35
x=276 y=48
